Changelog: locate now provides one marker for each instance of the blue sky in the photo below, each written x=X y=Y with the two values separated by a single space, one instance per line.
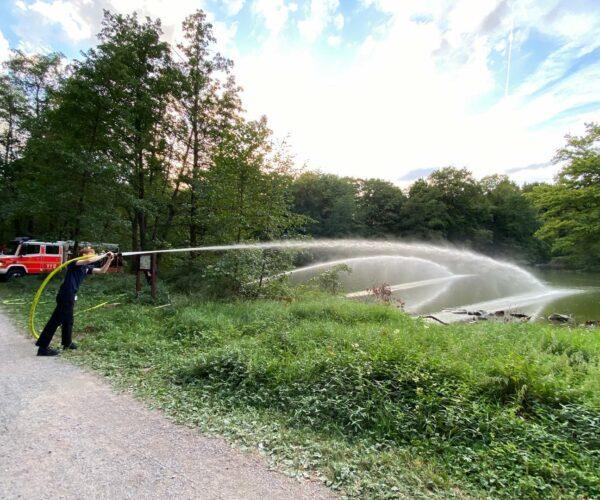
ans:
x=385 y=88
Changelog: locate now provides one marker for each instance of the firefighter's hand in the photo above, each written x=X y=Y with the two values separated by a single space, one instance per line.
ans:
x=110 y=255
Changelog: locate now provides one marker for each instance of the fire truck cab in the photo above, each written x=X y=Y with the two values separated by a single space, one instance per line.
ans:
x=26 y=256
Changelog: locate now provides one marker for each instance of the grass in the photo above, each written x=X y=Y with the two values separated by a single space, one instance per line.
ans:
x=373 y=402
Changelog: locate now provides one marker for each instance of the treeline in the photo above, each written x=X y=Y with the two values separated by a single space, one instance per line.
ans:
x=556 y=224
x=146 y=144
x=492 y=215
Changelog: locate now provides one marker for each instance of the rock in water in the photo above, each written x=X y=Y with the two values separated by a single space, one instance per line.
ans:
x=559 y=318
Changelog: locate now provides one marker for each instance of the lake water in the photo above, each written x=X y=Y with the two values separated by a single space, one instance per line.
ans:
x=430 y=279
x=570 y=293
x=583 y=306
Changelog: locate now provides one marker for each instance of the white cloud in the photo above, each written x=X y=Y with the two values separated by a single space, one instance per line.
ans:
x=171 y=13
x=64 y=13
x=320 y=15
x=33 y=47
x=234 y=6
x=225 y=35
x=80 y=20
x=334 y=41
x=339 y=21
x=4 y=48
x=407 y=99
x=275 y=14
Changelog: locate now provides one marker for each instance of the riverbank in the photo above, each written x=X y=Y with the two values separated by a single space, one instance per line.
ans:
x=374 y=402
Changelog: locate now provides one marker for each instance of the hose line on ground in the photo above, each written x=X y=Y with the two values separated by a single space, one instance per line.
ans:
x=40 y=290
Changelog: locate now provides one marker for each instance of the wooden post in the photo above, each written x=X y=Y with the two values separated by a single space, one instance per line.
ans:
x=153 y=273
x=138 y=282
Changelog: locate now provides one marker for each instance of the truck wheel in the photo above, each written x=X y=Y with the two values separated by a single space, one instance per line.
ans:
x=15 y=272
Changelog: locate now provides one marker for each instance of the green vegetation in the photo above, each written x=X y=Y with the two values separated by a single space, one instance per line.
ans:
x=570 y=208
x=376 y=403
x=147 y=145
x=491 y=215
x=137 y=143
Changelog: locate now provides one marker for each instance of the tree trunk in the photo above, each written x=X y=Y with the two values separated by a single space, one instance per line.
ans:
x=195 y=168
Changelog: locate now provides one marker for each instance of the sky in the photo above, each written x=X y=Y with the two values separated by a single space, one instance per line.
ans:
x=381 y=88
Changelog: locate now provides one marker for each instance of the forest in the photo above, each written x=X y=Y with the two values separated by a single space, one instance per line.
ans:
x=146 y=144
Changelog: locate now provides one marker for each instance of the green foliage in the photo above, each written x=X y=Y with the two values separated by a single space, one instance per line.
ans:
x=375 y=402
x=129 y=146
x=513 y=218
x=570 y=209
x=425 y=216
x=247 y=190
x=328 y=201
x=462 y=197
x=491 y=215
x=136 y=145
x=26 y=92
x=233 y=274
x=380 y=205
x=329 y=281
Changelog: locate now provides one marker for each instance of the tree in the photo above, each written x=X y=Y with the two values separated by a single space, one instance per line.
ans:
x=99 y=141
x=513 y=219
x=13 y=111
x=248 y=187
x=25 y=95
x=37 y=77
x=466 y=206
x=424 y=215
x=136 y=69
x=570 y=209
x=207 y=108
x=379 y=208
x=70 y=157
x=329 y=201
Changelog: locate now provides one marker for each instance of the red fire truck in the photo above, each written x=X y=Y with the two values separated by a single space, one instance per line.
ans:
x=26 y=256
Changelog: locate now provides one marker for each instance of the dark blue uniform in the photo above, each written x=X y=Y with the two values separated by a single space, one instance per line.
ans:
x=65 y=301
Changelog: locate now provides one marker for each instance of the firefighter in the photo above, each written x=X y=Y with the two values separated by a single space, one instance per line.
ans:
x=65 y=301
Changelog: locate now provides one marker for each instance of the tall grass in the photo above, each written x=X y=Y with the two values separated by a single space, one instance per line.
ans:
x=377 y=403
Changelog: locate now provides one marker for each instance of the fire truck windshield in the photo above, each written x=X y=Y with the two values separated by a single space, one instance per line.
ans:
x=11 y=248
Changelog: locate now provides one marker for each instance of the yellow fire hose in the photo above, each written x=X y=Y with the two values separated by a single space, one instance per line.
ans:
x=98 y=306
x=40 y=290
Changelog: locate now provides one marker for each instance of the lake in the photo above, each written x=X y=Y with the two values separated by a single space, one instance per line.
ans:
x=431 y=278
x=583 y=306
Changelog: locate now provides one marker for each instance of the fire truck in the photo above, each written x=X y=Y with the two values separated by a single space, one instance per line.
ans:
x=25 y=256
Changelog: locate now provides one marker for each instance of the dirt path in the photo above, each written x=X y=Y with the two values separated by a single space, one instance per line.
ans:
x=64 y=433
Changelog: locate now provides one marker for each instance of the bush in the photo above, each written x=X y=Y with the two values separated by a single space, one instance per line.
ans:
x=512 y=421
x=243 y=273
x=329 y=281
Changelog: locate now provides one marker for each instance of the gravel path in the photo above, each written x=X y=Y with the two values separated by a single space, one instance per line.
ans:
x=64 y=433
